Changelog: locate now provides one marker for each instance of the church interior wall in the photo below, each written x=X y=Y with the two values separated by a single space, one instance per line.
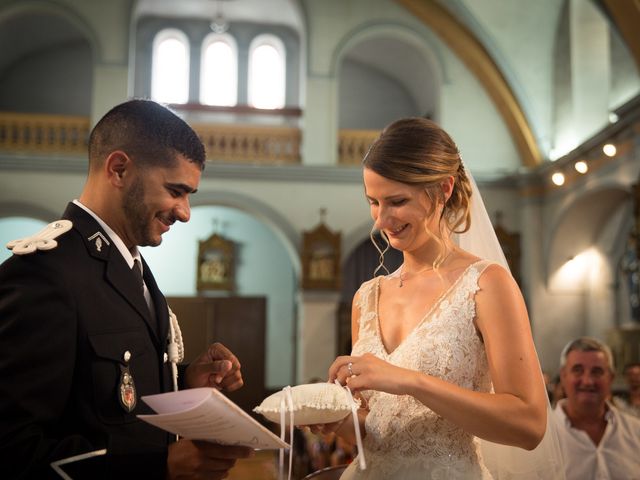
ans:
x=368 y=99
x=108 y=60
x=472 y=120
x=24 y=89
x=515 y=43
x=262 y=267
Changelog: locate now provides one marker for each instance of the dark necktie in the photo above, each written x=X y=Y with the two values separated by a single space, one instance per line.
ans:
x=137 y=271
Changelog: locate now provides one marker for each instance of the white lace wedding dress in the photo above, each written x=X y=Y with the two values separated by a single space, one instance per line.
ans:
x=405 y=440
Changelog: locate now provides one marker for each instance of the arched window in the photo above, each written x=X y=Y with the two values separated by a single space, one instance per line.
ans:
x=170 y=70
x=267 y=70
x=219 y=70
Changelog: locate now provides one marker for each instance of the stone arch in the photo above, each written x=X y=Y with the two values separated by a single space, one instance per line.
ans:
x=42 y=48
x=579 y=222
x=261 y=211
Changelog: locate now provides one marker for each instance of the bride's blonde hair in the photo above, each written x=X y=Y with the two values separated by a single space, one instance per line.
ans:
x=417 y=151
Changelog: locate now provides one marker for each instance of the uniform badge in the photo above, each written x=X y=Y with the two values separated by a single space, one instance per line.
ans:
x=127 y=390
x=100 y=240
x=43 y=240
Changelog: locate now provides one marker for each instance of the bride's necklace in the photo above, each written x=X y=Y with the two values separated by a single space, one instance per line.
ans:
x=425 y=269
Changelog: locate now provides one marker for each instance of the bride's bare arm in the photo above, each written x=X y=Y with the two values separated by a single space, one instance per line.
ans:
x=516 y=413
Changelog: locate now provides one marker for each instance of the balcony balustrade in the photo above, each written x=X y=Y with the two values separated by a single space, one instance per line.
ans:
x=42 y=135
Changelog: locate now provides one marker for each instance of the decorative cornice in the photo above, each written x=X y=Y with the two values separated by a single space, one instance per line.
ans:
x=43 y=163
x=227 y=171
x=286 y=173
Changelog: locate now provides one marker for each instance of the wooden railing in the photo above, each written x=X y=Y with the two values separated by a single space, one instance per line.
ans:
x=354 y=144
x=30 y=133
x=225 y=143
x=249 y=144
x=54 y=134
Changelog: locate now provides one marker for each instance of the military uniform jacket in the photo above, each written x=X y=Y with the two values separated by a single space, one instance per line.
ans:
x=67 y=318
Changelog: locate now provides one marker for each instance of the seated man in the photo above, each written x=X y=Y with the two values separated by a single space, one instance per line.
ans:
x=598 y=440
x=630 y=400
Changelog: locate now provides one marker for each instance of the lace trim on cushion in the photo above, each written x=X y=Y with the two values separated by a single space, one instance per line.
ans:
x=446 y=345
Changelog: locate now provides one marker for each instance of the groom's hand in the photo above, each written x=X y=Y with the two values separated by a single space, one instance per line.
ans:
x=216 y=368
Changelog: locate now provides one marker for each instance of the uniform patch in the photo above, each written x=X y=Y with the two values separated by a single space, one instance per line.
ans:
x=127 y=390
x=43 y=240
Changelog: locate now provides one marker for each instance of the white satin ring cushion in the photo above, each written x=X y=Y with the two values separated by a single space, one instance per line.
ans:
x=312 y=403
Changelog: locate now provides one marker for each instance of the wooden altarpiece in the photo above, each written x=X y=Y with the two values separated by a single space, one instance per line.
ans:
x=321 y=253
x=216 y=264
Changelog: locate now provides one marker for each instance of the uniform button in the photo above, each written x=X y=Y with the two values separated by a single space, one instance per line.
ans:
x=166 y=357
x=127 y=356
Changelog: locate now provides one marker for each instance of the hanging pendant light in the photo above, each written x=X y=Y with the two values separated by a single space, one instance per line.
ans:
x=219 y=23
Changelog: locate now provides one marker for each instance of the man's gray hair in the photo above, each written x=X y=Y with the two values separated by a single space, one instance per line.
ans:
x=587 y=344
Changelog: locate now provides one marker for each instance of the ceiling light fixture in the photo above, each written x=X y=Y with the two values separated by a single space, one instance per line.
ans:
x=581 y=166
x=558 y=178
x=609 y=150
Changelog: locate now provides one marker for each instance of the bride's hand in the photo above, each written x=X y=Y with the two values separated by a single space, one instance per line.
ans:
x=328 y=428
x=369 y=372
x=342 y=428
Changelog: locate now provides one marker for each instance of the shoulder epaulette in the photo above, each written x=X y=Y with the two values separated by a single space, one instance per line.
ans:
x=43 y=240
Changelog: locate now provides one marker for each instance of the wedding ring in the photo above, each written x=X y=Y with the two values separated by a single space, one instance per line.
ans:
x=349 y=365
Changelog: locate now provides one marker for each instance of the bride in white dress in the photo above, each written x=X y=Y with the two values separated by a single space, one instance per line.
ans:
x=442 y=349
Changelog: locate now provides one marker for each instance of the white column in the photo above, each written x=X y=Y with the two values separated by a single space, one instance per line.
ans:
x=317 y=334
x=109 y=89
x=319 y=139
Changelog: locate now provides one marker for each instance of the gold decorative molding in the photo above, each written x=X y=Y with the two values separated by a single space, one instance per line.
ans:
x=626 y=15
x=471 y=51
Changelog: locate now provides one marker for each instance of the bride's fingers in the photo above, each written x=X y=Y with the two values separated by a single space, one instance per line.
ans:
x=346 y=372
x=355 y=383
x=337 y=367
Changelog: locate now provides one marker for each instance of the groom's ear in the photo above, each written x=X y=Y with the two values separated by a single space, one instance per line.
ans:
x=447 y=188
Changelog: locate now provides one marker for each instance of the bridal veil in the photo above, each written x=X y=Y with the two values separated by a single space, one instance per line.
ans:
x=506 y=462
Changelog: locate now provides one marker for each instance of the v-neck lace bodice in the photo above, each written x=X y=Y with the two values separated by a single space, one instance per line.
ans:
x=425 y=317
x=405 y=439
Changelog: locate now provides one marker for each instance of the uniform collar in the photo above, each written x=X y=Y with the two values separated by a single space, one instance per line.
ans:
x=99 y=240
x=129 y=256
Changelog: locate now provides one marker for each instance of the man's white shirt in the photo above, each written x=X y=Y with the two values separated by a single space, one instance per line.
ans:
x=616 y=457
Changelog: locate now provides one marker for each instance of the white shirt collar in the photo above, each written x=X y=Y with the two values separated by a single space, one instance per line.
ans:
x=129 y=256
x=609 y=414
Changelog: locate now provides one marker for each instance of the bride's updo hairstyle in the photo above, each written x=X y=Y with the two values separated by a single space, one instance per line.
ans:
x=416 y=151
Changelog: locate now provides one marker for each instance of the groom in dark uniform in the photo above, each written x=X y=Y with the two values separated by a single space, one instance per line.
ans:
x=83 y=336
